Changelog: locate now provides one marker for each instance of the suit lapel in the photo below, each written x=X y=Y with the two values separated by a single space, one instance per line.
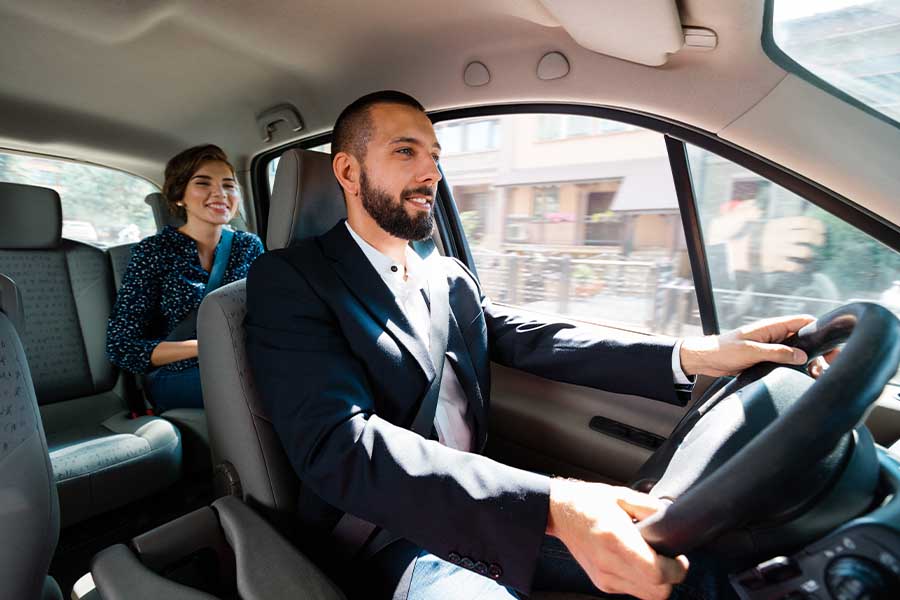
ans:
x=364 y=282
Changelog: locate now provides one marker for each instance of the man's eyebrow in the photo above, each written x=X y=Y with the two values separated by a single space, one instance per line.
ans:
x=412 y=140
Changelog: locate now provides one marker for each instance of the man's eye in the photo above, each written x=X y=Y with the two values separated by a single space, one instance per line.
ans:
x=436 y=158
x=406 y=151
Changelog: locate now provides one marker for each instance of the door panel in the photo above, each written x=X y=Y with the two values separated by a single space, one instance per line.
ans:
x=544 y=426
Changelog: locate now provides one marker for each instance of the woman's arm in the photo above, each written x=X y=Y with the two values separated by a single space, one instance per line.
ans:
x=169 y=352
x=135 y=313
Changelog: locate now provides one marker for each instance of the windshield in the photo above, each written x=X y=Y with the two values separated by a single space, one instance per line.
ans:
x=853 y=45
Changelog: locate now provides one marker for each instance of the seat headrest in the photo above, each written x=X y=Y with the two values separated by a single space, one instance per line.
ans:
x=30 y=217
x=11 y=302
x=306 y=198
x=161 y=214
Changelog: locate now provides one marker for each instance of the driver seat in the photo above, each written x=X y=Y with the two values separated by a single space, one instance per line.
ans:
x=249 y=461
x=29 y=520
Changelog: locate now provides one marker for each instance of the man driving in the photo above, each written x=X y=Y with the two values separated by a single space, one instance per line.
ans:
x=372 y=357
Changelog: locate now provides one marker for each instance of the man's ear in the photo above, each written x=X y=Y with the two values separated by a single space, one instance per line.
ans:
x=346 y=171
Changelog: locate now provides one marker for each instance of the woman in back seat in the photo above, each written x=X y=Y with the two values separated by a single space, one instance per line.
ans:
x=152 y=329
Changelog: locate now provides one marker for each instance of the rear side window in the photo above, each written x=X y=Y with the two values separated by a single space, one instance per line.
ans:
x=100 y=206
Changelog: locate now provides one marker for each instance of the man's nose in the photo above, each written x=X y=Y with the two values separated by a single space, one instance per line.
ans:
x=430 y=173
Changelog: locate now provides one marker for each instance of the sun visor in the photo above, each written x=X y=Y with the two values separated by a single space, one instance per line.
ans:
x=640 y=31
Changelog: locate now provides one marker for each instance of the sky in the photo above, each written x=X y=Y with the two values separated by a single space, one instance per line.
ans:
x=785 y=10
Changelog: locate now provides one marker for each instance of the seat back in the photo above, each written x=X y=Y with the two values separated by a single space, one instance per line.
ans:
x=29 y=519
x=67 y=288
x=306 y=200
x=161 y=214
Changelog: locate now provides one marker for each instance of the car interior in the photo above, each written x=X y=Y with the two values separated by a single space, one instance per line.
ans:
x=677 y=167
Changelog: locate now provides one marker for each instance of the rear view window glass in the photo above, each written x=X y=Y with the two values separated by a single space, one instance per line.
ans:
x=100 y=206
x=853 y=45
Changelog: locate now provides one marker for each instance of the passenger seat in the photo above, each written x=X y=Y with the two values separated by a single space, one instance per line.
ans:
x=29 y=521
x=101 y=458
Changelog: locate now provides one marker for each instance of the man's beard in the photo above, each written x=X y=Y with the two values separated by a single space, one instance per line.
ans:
x=392 y=216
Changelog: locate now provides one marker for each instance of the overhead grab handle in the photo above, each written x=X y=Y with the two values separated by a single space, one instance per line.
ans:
x=269 y=119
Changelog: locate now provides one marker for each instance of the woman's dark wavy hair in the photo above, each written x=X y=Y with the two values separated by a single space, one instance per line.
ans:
x=182 y=167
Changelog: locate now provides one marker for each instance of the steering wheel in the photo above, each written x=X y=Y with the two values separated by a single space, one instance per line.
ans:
x=772 y=458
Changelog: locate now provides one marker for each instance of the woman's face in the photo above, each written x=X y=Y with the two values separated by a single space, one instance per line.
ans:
x=212 y=194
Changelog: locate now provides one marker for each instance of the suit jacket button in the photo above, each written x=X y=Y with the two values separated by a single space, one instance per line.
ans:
x=481 y=568
x=494 y=571
x=466 y=563
x=454 y=558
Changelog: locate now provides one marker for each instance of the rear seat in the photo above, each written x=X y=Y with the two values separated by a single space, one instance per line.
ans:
x=101 y=458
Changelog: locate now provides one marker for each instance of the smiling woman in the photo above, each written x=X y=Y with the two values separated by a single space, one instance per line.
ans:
x=152 y=329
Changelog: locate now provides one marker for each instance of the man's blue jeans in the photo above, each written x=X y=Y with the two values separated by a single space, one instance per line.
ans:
x=433 y=578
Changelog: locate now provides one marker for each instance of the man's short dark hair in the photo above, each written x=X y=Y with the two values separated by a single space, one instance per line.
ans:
x=353 y=128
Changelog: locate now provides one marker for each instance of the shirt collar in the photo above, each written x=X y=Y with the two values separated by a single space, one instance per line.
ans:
x=392 y=272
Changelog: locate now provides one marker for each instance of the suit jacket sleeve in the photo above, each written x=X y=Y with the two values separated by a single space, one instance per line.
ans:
x=319 y=400
x=623 y=362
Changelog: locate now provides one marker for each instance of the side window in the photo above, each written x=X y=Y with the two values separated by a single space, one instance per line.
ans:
x=272 y=167
x=100 y=206
x=573 y=215
x=772 y=252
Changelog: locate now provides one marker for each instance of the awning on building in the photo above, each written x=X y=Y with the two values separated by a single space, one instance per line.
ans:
x=646 y=183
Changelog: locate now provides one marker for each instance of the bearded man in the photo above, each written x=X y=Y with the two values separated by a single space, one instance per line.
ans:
x=374 y=365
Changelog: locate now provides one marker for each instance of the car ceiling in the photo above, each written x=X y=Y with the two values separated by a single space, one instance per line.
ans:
x=128 y=84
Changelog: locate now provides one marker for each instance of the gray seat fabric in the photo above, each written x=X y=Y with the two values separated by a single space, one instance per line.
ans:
x=29 y=519
x=306 y=199
x=101 y=459
x=161 y=214
x=265 y=565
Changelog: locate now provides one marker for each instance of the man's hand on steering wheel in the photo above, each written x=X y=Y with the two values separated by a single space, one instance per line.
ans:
x=734 y=351
x=597 y=524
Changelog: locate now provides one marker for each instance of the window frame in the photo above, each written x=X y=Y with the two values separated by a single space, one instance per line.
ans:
x=783 y=60
x=675 y=134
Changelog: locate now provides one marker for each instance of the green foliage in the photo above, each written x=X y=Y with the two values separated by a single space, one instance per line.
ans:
x=857 y=264
x=583 y=272
x=471 y=222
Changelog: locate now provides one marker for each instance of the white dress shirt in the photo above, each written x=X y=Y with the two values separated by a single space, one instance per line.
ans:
x=451 y=418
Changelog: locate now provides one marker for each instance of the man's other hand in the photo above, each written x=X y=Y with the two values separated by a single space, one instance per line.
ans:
x=596 y=522
x=736 y=350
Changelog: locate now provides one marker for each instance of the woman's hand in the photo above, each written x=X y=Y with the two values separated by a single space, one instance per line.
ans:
x=169 y=352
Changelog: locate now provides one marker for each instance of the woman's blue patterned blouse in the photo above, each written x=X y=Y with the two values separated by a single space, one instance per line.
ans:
x=163 y=283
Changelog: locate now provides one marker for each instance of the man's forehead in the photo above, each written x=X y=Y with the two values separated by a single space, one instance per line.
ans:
x=398 y=121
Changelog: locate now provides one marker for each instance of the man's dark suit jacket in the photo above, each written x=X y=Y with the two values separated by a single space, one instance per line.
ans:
x=342 y=375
